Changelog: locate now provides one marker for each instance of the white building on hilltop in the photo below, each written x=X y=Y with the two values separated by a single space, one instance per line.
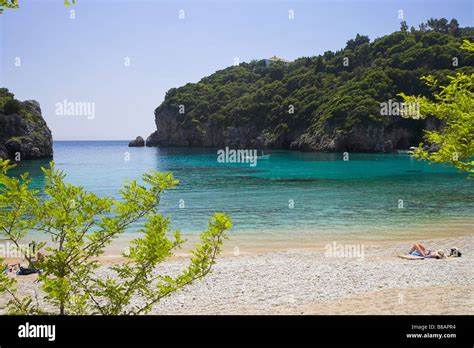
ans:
x=275 y=59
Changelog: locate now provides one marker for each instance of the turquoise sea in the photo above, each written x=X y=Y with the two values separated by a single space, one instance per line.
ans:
x=292 y=195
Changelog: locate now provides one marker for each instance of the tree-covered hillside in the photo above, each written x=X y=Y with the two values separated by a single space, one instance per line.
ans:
x=330 y=102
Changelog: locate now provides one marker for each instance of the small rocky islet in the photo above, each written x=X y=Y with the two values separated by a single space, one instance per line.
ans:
x=137 y=142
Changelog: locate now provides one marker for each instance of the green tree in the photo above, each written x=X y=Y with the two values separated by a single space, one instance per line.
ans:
x=12 y=106
x=358 y=41
x=14 y=4
x=454 y=27
x=403 y=26
x=8 y=4
x=423 y=27
x=454 y=105
x=440 y=25
x=80 y=225
x=319 y=66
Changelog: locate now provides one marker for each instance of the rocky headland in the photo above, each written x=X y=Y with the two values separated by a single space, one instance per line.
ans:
x=24 y=133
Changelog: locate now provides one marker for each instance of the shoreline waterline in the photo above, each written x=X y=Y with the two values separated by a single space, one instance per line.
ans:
x=255 y=244
x=252 y=244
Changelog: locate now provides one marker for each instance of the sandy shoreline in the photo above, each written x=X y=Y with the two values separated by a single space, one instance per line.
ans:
x=311 y=281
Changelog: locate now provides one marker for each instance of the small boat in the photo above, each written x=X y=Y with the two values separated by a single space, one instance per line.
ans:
x=262 y=157
x=409 y=151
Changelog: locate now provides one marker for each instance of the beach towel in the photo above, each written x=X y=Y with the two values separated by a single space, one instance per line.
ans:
x=26 y=271
x=411 y=257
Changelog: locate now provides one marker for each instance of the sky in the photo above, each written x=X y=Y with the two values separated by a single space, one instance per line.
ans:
x=118 y=58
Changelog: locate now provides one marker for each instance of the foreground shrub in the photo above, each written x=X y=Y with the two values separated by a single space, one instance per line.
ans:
x=80 y=225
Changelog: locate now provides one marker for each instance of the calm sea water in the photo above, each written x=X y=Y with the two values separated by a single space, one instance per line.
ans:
x=291 y=193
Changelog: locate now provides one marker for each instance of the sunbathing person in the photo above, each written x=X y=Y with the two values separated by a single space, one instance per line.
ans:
x=31 y=269
x=32 y=266
x=12 y=267
x=420 y=250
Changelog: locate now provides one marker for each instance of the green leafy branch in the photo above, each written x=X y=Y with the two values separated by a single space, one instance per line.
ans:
x=454 y=105
x=14 y=4
x=80 y=225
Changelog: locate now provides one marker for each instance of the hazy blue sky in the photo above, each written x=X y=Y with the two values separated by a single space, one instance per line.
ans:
x=82 y=59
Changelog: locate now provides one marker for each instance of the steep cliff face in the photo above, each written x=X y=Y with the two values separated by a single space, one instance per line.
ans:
x=398 y=134
x=24 y=133
x=171 y=132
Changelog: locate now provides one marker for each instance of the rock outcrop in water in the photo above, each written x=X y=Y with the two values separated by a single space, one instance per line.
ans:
x=138 y=142
x=24 y=133
x=315 y=103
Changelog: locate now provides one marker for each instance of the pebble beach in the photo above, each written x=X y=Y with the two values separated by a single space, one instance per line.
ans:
x=314 y=282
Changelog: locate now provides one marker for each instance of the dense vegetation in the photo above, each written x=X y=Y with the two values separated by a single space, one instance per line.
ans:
x=9 y=105
x=454 y=105
x=327 y=95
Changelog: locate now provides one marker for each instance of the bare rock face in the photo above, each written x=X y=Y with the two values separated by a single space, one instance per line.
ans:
x=370 y=138
x=171 y=132
x=152 y=140
x=138 y=142
x=397 y=134
x=24 y=133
